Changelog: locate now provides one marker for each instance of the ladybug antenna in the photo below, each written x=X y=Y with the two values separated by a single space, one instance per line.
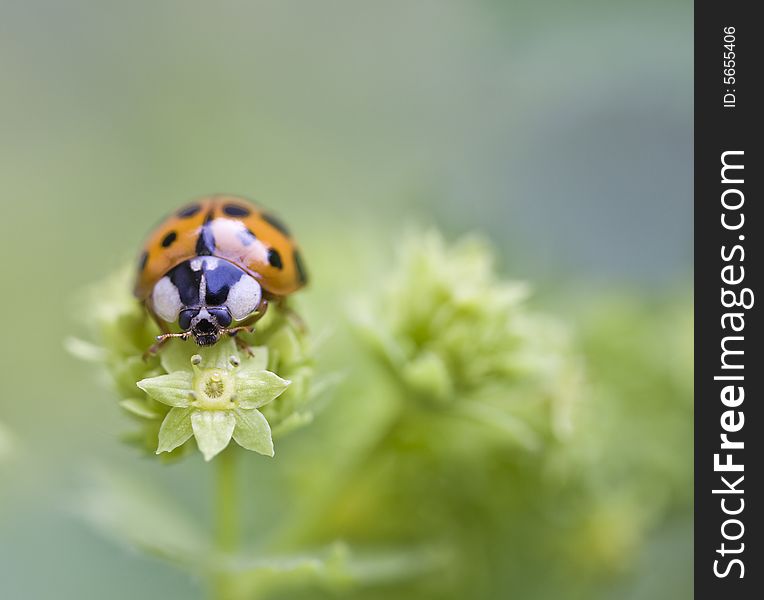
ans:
x=161 y=340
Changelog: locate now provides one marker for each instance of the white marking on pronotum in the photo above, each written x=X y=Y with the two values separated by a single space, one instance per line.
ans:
x=166 y=300
x=244 y=297
x=202 y=289
x=210 y=263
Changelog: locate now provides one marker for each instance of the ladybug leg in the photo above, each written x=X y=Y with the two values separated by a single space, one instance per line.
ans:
x=154 y=317
x=153 y=349
x=240 y=343
x=249 y=327
x=292 y=316
x=244 y=346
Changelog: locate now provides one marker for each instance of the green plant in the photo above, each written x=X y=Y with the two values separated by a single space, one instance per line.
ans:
x=462 y=454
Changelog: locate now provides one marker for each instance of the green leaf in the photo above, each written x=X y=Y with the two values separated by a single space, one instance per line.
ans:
x=292 y=422
x=322 y=384
x=213 y=430
x=176 y=355
x=256 y=388
x=286 y=344
x=378 y=337
x=428 y=374
x=138 y=408
x=175 y=429
x=253 y=432
x=172 y=389
x=512 y=428
x=257 y=362
x=219 y=355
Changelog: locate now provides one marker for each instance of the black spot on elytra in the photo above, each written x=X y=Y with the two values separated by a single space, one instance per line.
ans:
x=276 y=223
x=143 y=260
x=274 y=258
x=302 y=274
x=205 y=243
x=189 y=211
x=169 y=239
x=235 y=210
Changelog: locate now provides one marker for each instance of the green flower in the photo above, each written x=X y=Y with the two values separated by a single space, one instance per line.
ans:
x=179 y=399
x=462 y=342
x=215 y=398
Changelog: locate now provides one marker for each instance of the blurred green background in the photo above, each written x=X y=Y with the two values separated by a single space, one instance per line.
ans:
x=562 y=131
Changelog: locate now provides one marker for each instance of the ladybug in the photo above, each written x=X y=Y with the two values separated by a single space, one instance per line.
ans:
x=212 y=268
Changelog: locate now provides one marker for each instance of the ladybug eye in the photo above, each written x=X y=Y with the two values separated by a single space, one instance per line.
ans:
x=222 y=316
x=184 y=320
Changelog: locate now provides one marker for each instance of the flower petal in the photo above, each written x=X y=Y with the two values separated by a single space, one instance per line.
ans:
x=256 y=388
x=175 y=429
x=172 y=389
x=253 y=432
x=213 y=430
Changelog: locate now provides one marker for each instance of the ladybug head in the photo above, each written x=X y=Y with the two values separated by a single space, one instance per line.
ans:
x=205 y=324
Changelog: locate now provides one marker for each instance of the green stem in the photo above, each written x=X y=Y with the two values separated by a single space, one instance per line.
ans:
x=227 y=525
